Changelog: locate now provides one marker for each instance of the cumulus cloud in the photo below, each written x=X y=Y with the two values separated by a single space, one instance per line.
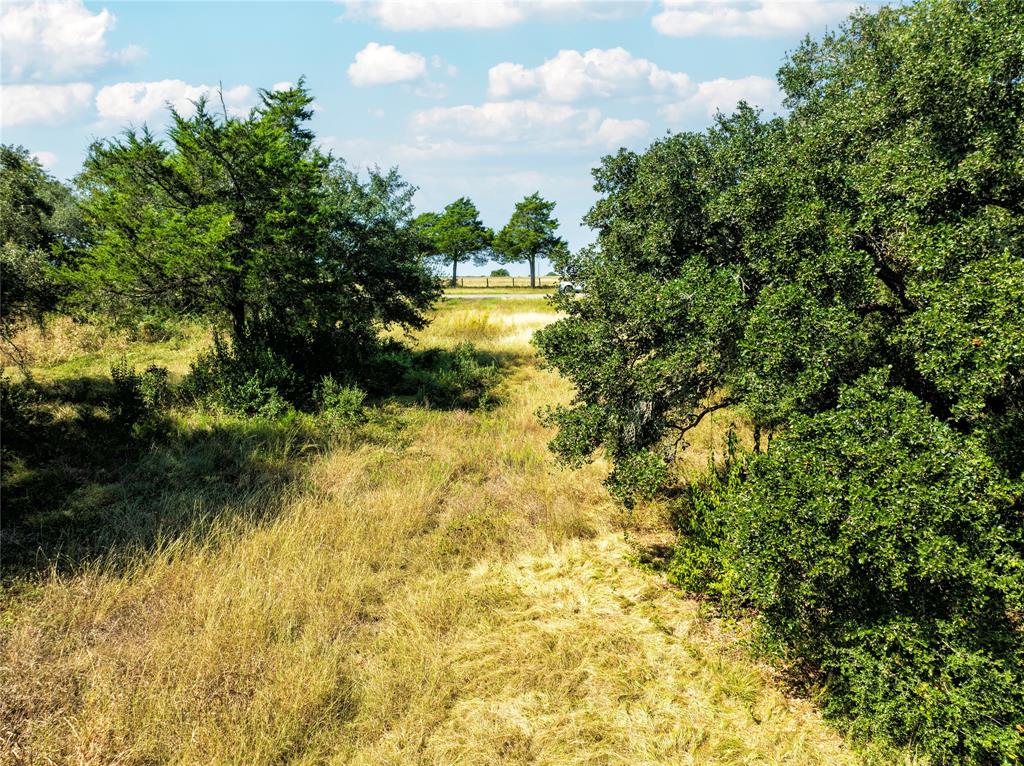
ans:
x=601 y=74
x=722 y=95
x=405 y=15
x=614 y=132
x=572 y=75
x=378 y=64
x=439 y=14
x=56 y=40
x=747 y=18
x=141 y=101
x=28 y=104
x=530 y=123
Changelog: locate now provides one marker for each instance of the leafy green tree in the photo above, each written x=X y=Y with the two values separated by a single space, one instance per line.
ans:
x=456 y=235
x=529 y=234
x=500 y=273
x=851 y=279
x=40 y=229
x=243 y=221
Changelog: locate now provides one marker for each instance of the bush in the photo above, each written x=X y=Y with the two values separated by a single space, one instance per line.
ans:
x=451 y=379
x=246 y=381
x=500 y=273
x=339 y=404
x=138 y=400
x=882 y=549
x=699 y=562
x=19 y=417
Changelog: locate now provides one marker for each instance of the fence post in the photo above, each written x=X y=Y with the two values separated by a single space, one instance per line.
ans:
x=513 y=281
x=487 y=281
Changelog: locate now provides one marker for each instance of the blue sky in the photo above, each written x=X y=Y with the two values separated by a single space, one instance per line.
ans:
x=490 y=99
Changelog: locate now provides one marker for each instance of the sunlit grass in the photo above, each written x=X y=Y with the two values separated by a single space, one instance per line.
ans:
x=435 y=590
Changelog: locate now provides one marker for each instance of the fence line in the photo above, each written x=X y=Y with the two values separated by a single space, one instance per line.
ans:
x=491 y=282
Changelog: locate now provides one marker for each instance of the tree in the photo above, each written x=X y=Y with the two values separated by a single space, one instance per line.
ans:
x=851 y=280
x=529 y=234
x=456 y=235
x=500 y=273
x=40 y=229
x=243 y=221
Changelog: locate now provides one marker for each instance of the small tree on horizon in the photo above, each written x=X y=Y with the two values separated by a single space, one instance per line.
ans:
x=529 y=234
x=456 y=235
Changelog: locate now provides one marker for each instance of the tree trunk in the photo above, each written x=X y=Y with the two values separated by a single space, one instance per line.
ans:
x=238 y=323
x=533 y=272
x=455 y=265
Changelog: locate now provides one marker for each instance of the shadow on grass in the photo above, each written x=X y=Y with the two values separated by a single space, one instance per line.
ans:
x=80 y=487
x=460 y=378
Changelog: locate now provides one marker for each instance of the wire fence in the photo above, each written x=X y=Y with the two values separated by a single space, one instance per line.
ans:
x=489 y=282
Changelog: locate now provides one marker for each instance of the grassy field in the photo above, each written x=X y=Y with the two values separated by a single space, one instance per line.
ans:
x=427 y=588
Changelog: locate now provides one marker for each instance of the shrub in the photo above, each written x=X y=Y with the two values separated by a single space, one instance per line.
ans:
x=340 y=404
x=452 y=379
x=699 y=562
x=883 y=549
x=19 y=417
x=500 y=273
x=138 y=400
x=247 y=381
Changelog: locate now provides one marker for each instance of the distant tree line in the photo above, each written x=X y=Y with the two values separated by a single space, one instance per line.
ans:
x=456 y=235
x=850 y=279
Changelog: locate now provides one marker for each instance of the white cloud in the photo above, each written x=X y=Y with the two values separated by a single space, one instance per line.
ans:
x=508 y=120
x=531 y=124
x=28 y=104
x=747 y=18
x=378 y=64
x=55 y=40
x=482 y=14
x=572 y=75
x=613 y=132
x=435 y=90
x=140 y=101
x=284 y=85
x=723 y=94
x=47 y=159
x=431 y=14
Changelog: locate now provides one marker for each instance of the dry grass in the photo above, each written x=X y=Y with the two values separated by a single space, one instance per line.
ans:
x=452 y=597
x=62 y=348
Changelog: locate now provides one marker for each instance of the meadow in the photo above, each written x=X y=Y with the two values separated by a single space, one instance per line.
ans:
x=426 y=585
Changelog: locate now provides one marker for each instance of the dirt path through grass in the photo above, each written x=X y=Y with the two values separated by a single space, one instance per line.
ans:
x=445 y=595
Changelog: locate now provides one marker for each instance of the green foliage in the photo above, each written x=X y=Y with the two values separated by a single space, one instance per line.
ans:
x=456 y=235
x=851 y=277
x=458 y=378
x=139 y=400
x=884 y=548
x=21 y=418
x=246 y=380
x=40 y=229
x=500 y=273
x=529 y=234
x=341 y=405
x=700 y=562
x=242 y=220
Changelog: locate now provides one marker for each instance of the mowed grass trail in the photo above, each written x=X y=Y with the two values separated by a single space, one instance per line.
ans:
x=434 y=591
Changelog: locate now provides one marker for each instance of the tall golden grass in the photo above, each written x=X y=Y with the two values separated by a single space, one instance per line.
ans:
x=451 y=596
